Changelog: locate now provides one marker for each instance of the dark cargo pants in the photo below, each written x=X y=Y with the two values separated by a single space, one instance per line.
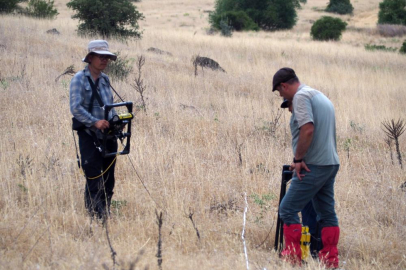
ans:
x=98 y=191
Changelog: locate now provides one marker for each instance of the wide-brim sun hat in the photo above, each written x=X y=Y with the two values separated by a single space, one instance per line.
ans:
x=98 y=47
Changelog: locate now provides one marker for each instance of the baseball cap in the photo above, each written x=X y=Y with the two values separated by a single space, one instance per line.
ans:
x=285 y=104
x=281 y=76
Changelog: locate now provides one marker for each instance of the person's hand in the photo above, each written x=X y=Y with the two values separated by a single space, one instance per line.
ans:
x=297 y=167
x=102 y=124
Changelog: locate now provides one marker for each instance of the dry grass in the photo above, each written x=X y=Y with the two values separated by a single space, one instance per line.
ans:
x=186 y=148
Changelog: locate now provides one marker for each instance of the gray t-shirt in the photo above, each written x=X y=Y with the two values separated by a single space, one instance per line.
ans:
x=312 y=106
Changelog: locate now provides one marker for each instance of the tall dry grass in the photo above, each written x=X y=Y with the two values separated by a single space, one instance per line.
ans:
x=187 y=147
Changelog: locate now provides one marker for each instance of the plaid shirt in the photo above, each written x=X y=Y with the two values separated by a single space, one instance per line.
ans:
x=80 y=94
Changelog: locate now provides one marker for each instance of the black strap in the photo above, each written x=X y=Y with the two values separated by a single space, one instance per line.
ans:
x=96 y=141
x=115 y=91
x=95 y=93
x=91 y=103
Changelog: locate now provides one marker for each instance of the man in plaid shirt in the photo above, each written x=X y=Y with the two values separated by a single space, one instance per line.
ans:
x=86 y=109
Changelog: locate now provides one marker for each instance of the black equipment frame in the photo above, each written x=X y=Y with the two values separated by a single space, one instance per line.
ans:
x=286 y=177
x=125 y=135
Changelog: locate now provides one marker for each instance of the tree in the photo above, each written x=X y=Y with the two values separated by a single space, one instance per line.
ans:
x=41 y=9
x=8 y=6
x=118 y=18
x=255 y=14
x=237 y=20
x=340 y=7
x=403 y=48
x=225 y=29
x=328 y=28
x=392 y=12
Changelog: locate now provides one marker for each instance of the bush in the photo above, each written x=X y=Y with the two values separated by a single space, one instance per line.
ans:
x=328 y=28
x=340 y=7
x=119 y=69
x=225 y=29
x=41 y=9
x=403 y=48
x=281 y=14
x=237 y=20
x=373 y=47
x=8 y=6
x=392 y=12
x=252 y=15
x=117 y=18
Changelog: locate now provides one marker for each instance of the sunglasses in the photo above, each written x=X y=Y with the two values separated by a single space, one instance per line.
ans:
x=102 y=56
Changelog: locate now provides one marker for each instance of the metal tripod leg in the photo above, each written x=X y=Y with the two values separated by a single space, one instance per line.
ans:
x=286 y=176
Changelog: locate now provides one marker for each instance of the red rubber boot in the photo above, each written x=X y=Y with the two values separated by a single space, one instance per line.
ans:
x=292 y=251
x=329 y=254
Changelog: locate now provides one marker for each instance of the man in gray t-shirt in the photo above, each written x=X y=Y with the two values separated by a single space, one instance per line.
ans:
x=315 y=164
x=312 y=106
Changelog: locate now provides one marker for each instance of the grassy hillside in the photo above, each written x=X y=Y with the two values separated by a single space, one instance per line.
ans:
x=204 y=143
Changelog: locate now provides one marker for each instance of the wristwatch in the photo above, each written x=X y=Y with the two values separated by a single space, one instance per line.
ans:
x=297 y=160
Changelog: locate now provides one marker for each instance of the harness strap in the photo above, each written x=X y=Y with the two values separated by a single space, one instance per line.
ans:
x=95 y=93
x=115 y=92
x=96 y=141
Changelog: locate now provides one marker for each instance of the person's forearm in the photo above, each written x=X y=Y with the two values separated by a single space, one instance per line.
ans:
x=304 y=141
x=83 y=116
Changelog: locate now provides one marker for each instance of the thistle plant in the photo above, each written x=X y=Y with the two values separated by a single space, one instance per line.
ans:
x=394 y=130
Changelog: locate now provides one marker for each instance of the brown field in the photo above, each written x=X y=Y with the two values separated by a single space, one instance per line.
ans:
x=187 y=147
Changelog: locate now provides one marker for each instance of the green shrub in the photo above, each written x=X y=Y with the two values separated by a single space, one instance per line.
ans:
x=119 y=69
x=108 y=18
x=392 y=12
x=328 y=28
x=225 y=29
x=340 y=7
x=8 y=6
x=237 y=20
x=373 y=47
x=403 y=48
x=41 y=9
x=258 y=14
